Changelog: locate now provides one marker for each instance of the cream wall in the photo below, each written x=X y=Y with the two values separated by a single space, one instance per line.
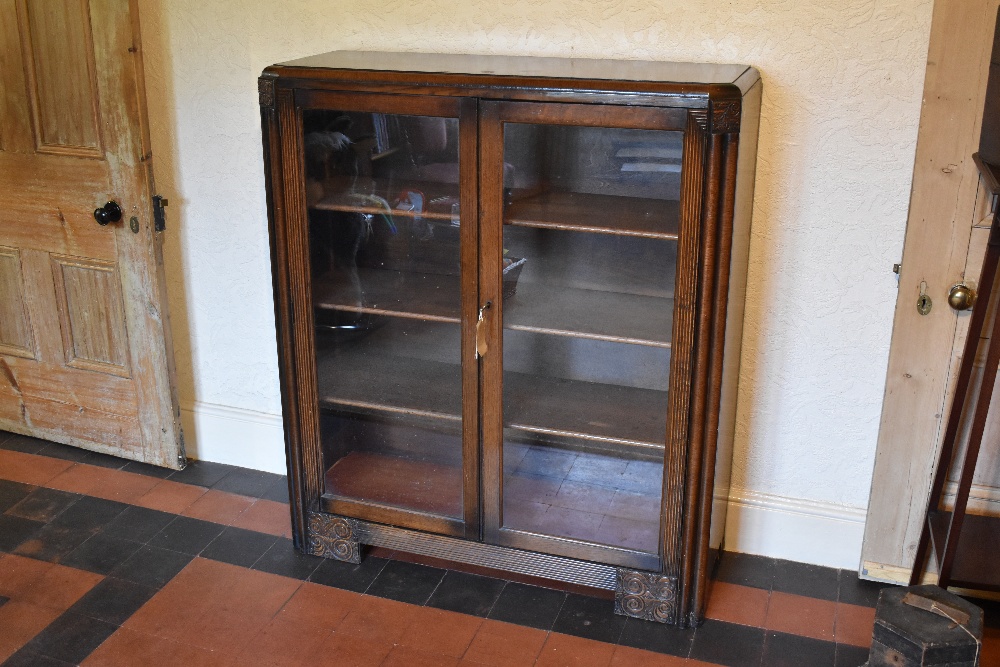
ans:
x=842 y=87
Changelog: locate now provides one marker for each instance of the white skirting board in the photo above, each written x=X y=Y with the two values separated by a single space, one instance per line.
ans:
x=794 y=529
x=235 y=436
x=757 y=523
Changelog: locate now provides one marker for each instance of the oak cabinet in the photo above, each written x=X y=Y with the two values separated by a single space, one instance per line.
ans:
x=509 y=300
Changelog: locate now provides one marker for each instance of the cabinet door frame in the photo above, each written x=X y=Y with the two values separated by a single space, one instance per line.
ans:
x=679 y=487
x=294 y=305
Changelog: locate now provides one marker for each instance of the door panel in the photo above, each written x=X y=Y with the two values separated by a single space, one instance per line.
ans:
x=15 y=329
x=387 y=184
x=57 y=39
x=88 y=296
x=98 y=370
x=587 y=252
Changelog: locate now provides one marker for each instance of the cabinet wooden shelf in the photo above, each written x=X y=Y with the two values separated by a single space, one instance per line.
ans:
x=606 y=214
x=549 y=408
x=509 y=300
x=537 y=307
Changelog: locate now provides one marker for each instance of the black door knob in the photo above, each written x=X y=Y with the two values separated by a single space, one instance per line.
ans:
x=110 y=212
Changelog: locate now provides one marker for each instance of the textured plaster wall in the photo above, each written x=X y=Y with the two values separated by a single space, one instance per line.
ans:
x=842 y=88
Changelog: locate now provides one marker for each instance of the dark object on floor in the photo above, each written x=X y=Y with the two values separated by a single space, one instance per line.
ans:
x=920 y=635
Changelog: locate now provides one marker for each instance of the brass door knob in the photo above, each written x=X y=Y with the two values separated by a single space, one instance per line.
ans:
x=961 y=297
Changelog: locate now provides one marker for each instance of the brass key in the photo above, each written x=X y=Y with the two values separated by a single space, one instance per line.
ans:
x=481 y=346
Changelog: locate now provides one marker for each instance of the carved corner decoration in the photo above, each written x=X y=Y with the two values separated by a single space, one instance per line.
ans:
x=646 y=595
x=333 y=537
x=726 y=116
x=265 y=91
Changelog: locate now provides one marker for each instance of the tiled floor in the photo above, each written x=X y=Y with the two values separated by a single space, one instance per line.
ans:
x=104 y=562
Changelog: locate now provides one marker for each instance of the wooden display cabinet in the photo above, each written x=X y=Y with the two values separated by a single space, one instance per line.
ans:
x=509 y=301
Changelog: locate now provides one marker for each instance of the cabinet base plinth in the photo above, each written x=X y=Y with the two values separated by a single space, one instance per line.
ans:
x=647 y=595
x=333 y=537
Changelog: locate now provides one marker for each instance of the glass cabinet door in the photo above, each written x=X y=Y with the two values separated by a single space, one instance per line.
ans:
x=589 y=247
x=386 y=228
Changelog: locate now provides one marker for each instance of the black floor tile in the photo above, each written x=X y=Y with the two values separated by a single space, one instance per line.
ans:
x=26 y=658
x=89 y=513
x=71 y=637
x=102 y=553
x=278 y=491
x=113 y=600
x=246 y=482
x=746 y=570
x=14 y=531
x=53 y=543
x=350 y=577
x=528 y=605
x=104 y=460
x=657 y=637
x=152 y=566
x=783 y=650
x=812 y=581
x=854 y=590
x=56 y=450
x=24 y=444
x=285 y=560
x=467 y=593
x=851 y=656
x=43 y=504
x=589 y=617
x=406 y=582
x=728 y=644
x=138 y=524
x=186 y=535
x=237 y=546
x=11 y=493
x=148 y=470
x=201 y=473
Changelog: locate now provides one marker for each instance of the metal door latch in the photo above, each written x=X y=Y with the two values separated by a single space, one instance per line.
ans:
x=159 y=216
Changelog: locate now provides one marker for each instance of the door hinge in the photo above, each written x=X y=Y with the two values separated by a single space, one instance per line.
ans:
x=159 y=216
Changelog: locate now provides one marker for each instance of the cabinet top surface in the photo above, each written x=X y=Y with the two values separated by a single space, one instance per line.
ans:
x=677 y=73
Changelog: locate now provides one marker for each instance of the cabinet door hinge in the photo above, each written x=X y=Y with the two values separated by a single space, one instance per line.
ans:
x=159 y=216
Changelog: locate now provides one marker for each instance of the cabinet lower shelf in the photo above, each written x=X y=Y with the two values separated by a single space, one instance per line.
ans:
x=363 y=379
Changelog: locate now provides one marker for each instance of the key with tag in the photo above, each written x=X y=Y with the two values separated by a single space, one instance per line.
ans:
x=481 y=346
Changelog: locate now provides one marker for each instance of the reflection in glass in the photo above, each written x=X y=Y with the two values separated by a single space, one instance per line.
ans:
x=382 y=196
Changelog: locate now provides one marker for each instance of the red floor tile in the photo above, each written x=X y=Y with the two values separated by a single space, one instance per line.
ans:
x=170 y=497
x=283 y=642
x=402 y=656
x=320 y=605
x=19 y=622
x=377 y=620
x=218 y=507
x=504 y=644
x=29 y=468
x=798 y=615
x=346 y=650
x=565 y=651
x=854 y=625
x=737 y=604
x=632 y=657
x=266 y=516
x=442 y=632
x=127 y=648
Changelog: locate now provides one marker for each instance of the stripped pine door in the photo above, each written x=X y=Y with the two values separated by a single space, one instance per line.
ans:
x=85 y=354
x=945 y=241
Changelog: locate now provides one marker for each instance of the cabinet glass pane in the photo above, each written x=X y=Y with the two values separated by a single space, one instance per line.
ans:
x=382 y=195
x=590 y=229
